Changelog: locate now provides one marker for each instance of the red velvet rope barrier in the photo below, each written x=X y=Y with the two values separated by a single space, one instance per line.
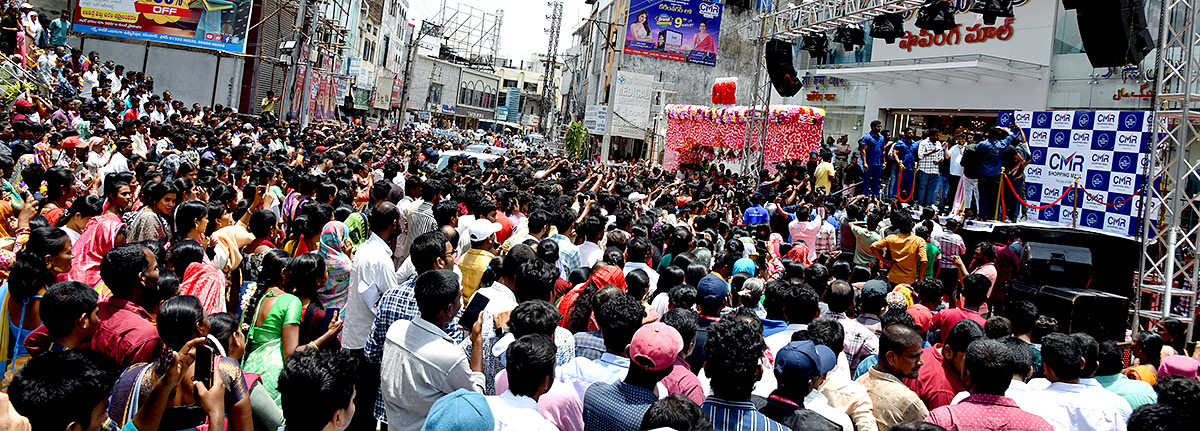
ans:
x=1019 y=198
x=900 y=181
x=1121 y=202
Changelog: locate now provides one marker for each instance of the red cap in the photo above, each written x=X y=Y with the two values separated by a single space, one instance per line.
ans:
x=320 y=149
x=24 y=103
x=655 y=346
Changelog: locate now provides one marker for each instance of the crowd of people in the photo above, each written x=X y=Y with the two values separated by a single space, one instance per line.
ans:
x=171 y=267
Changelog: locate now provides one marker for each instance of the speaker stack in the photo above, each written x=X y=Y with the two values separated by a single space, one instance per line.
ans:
x=780 y=68
x=1114 y=32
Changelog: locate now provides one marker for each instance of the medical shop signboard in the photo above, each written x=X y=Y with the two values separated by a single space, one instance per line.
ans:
x=681 y=30
x=220 y=25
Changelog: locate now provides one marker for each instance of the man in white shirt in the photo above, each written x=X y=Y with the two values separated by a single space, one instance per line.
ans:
x=1082 y=408
x=421 y=363
x=637 y=256
x=530 y=368
x=800 y=309
x=591 y=229
x=371 y=274
x=802 y=229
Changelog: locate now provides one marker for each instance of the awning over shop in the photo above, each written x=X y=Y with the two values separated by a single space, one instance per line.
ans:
x=940 y=69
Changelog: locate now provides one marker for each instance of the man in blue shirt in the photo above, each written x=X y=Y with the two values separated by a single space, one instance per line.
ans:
x=871 y=150
x=990 y=152
x=904 y=152
x=757 y=214
x=59 y=28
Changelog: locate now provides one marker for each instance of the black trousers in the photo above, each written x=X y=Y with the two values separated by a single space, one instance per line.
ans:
x=367 y=389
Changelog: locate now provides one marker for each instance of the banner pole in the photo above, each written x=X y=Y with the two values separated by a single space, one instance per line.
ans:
x=1075 y=205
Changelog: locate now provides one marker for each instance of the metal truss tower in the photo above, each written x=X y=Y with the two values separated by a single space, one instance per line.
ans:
x=788 y=24
x=549 y=90
x=1167 y=273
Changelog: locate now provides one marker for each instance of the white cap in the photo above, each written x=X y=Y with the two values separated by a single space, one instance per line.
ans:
x=26 y=6
x=635 y=196
x=482 y=229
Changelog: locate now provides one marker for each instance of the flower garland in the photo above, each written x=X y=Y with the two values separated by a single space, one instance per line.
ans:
x=740 y=114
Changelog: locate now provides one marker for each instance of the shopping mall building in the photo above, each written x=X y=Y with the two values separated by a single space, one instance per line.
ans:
x=963 y=78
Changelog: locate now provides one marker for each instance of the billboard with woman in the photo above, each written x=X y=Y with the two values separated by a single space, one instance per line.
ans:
x=681 y=30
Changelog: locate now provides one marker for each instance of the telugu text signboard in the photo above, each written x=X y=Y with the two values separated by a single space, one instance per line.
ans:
x=213 y=24
x=682 y=30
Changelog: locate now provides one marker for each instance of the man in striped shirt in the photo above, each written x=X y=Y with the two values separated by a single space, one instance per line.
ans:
x=734 y=349
x=949 y=262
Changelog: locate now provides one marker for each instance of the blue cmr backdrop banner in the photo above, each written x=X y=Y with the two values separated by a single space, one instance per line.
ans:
x=1103 y=153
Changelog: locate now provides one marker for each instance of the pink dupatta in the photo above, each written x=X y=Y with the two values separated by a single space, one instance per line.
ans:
x=206 y=282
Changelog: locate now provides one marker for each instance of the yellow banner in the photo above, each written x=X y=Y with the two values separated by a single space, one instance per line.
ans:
x=108 y=15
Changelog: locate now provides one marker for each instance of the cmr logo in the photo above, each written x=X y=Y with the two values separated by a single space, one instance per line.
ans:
x=1125 y=139
x=1033 y=171
x=1120 y=180
x=1131 y=121
x=1039 y=136
x=1068 y=213
x=1073 y=162
x=1115 y=221
x=1081 y=137
x=1060 y=138
x=1022 y=117
x=1108 y=117
x=1061 y=120
x=1102 y=158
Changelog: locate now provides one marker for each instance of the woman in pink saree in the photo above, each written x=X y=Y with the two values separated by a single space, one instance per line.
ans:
x=702 y=41
x=102 y=233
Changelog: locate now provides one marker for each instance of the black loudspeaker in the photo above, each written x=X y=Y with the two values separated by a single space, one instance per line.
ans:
x=1114 y=32
x=936 y=16
x=817 y=45
x=1071 y=4
x=849 y=36
x=992 y=9
x=1099 y=314
x=1058 y=265
x=780 y=68
x=889 y=27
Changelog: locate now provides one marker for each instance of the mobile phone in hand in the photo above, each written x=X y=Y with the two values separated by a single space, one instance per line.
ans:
x=471 y=314
x=204 y=366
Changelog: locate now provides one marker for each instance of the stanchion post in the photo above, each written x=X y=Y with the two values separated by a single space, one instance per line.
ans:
x=999 y=196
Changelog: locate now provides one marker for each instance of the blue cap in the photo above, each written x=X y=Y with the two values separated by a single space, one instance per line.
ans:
x=873 y=289
x=460 y=410
x=712 y=286
x=804 y=360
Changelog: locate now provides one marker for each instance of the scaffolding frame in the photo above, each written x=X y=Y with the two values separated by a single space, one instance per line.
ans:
x=1168 y=269
x=788 y=24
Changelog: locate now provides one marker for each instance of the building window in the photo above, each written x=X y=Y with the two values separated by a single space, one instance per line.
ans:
x=510 y=83
x=531 y=87
x=384 y=58
x=502 y=100
x=368 y=50
x=435 y=94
